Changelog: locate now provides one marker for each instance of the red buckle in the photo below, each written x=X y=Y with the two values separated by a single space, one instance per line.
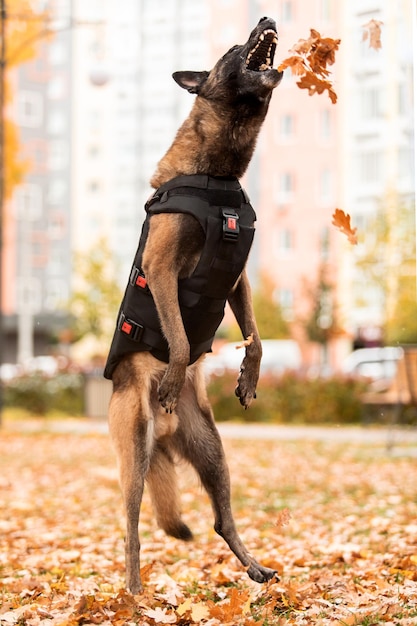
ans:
x=141 y=281
x=126 y=328
x=130 y=328
x=137 y=278
x=230 y=225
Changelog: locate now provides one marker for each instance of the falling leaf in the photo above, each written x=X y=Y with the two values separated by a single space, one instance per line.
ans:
x=309 y=59
x=372 y=31
x=342 y=221
x=246 y=342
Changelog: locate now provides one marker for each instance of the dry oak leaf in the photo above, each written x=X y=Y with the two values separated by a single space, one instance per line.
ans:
x=160 y=616
x=310 y=59
x=246 y=342
x=342 y=221
x=372 y=31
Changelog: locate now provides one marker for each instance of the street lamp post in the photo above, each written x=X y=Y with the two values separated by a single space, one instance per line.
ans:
x=2 y=180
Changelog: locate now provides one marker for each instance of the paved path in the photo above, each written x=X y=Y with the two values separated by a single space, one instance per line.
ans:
x=349 y=434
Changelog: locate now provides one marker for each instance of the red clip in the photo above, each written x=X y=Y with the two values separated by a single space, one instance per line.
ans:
x=231 y=223
x=126 y=328
x=141 y=281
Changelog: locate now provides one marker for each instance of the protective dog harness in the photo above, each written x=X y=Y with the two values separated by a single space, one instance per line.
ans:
x=222 y=208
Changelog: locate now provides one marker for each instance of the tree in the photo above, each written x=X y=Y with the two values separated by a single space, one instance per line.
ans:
x=96 y=297
x=387 y=266
x=23 y=28
x=269 y=317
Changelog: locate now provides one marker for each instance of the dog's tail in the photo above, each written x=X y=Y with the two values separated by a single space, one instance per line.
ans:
x=162 y=483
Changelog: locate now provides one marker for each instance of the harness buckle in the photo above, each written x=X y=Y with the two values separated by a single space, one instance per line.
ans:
x=137 y=278
x=230 y=225
x=130 y=328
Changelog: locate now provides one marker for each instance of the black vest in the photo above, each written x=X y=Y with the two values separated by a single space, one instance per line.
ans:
x=223 y=210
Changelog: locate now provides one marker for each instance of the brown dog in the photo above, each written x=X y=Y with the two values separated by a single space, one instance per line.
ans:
x=159 y=408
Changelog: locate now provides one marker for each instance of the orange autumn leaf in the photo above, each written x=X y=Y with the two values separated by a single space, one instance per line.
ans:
x=372 y=31
x=342 y=221
x=309 y=59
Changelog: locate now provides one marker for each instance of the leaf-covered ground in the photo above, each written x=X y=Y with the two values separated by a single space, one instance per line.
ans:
x=338 y=521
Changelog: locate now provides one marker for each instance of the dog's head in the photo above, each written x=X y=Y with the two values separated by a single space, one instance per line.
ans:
x=245 y=72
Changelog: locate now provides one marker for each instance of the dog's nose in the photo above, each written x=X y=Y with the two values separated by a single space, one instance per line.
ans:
x=263 y=19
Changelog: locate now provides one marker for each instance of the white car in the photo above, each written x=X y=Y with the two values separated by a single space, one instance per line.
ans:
x=278 y=356
x=373 y=363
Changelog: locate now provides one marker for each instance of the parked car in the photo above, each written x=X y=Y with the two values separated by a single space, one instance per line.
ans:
x=373 y=363
x=279 y=355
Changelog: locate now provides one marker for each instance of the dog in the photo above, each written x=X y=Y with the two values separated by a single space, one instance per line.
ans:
x=159 y=409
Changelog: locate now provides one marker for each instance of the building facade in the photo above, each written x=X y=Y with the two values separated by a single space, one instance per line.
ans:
x=98 y=108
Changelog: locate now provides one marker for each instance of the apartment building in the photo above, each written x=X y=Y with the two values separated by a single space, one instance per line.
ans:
x=109 y=109
x=378 y=142
x=37 y=246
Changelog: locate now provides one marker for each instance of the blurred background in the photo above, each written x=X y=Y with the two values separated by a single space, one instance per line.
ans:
x=88 y=109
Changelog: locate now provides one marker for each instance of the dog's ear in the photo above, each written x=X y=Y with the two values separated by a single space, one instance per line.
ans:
x=191 y=81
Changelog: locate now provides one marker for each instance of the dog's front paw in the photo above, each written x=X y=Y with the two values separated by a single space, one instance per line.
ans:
x=246 y=387
x=170 y=389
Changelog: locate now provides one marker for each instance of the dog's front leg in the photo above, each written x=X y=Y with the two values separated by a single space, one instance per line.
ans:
x=240 y=301
x=162 y=263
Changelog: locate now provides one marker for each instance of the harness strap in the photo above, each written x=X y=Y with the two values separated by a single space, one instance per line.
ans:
x=141 y=334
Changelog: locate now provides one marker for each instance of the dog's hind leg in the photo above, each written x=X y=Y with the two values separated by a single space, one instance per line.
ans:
x=132 y=436
x=198 y=441
x=162 y=483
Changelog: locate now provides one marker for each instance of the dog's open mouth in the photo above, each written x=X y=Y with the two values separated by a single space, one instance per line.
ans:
x=261 y=57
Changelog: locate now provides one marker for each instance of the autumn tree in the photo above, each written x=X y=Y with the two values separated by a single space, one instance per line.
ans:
x=23 y=28
x=268 y=313
x=96 y=296
x=386 y=268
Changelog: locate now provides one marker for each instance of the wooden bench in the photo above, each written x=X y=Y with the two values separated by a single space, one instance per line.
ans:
x=400 y=393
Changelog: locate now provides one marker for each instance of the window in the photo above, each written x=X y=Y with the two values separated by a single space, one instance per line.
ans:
x=370 y=165
x=405 y=163
x=325 y=244
x=56 y=88
x=29 y=109
x=29 y=201
x=325 y=124
x=287 y=11
x=285 y=241
x=57 y=123
x=58 y=155
x=286 y=127
x=56 y=294
x=326 y=187
x=371 y=103
x=325 y=10
x=57 y=53
x=57 y=191
x=404 y=105
x=285 y=188
x=285 y=298
x=56 y=225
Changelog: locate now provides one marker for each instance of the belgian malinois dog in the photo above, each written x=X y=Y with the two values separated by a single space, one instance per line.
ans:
x=159 y=409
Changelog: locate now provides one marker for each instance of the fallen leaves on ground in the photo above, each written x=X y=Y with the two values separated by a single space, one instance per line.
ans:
x=342 y=221
x=309 y=60
x=338 y=522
